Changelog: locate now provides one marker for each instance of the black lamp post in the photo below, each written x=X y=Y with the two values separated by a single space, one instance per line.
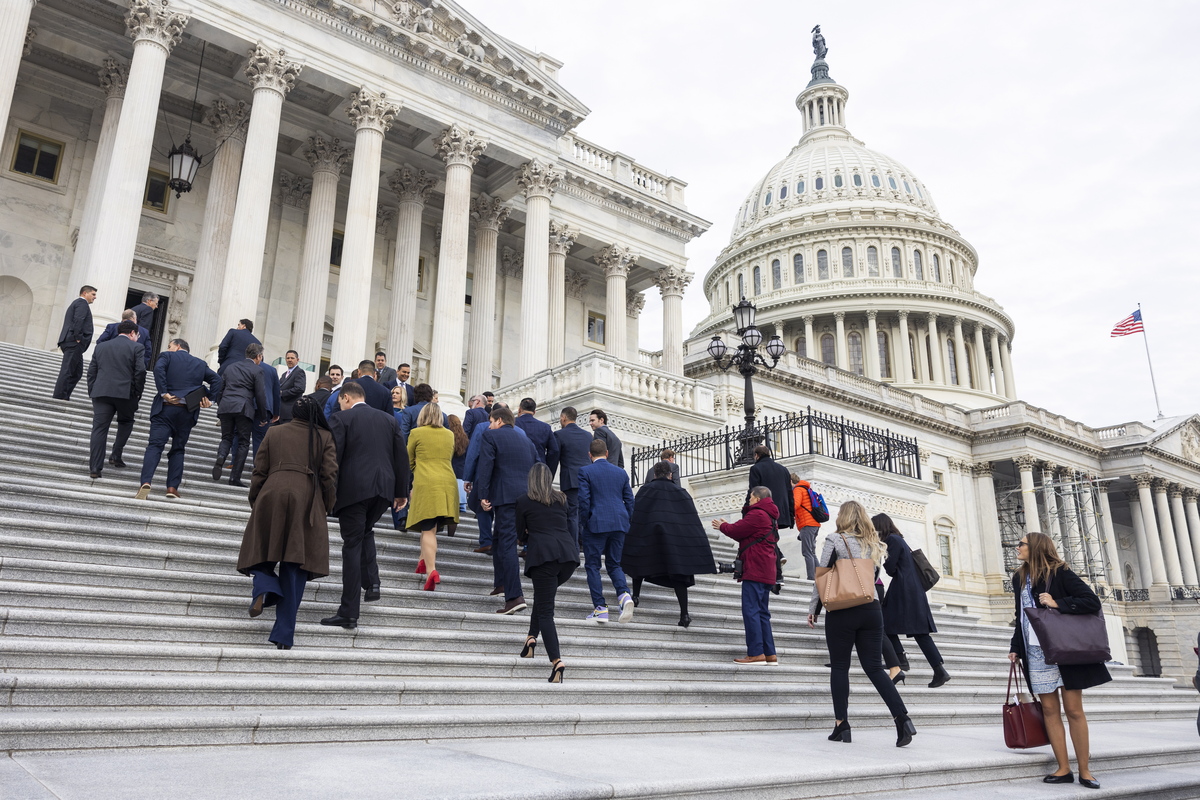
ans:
x=746 y=359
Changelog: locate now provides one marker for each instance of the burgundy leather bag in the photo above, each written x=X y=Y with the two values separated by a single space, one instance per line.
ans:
x=1024 y=724
x=1070 y=638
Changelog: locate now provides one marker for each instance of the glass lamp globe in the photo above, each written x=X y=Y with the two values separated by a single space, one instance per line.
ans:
x=776 y=348
x=752 y=337
x=717 y=348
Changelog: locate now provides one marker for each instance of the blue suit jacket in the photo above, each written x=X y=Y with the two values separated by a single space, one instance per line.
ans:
x=542 y=436
x=374 y=395
x=271 y=383
x=573 y=444
x=110 y=332
x=232 y=348
x=473 y=417
x=180 y=373
x=471 y=460
x=505 y=457
x=605 y=499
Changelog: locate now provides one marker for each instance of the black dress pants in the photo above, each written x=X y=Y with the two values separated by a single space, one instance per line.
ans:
x=103 y=411
x=925 y=642
x=70 y=371
x=360 y=570
x=242 y=426
x=546 y=580
x=859 y=629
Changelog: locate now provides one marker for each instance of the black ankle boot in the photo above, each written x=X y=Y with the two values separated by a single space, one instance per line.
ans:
x=905 y=730
x=841 y=733
x=940 y=676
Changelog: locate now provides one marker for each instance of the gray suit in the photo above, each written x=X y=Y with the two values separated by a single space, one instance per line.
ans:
x=115 y=379
x=242 y=402
x=387 y=378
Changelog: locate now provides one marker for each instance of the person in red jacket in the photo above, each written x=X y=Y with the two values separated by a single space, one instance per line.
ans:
x=757 y=534
x=807 y=526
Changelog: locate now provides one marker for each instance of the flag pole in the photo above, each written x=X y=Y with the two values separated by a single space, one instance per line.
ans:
x=1150 y=364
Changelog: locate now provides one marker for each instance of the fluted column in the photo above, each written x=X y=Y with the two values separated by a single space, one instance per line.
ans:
x=155 y=29
x=672 y=282
x=1187 y=560
x=843 y=352
x=1116 y=576
x=539 y=181
x=489 y=214
x=991 y=543
x=936 y=353
x=616 y=261
x=1158 y=567
x=1140 y=540
x=906 y=367
x=272 y=77
x=372 y=114
x=810 y=347
x=562 y=239
x=960 y=355
x=997 y=364
x=411 y=187
x=984 y=383
x=1010 y=384
x=1028 y=493
x=1162 y=513
x=871 y=347
x=1193 y=521
x=460 y=149
x=228 y=122
x=14 y=22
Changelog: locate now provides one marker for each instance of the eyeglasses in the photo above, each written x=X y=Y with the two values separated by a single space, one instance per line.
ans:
x=1022 y=544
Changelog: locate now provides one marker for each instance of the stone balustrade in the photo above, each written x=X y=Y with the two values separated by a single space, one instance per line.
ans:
x=622 y=169
x=650 y=359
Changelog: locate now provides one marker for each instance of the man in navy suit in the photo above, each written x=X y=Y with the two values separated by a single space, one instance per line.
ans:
x=110 y=332
x=115 y=379
x=232 y=348
x=145 y=310
x=376 y=396
x=476 y=413
x=541 y=434
x=573 y=453
x=274 y=401
x=74 y=338
x=605 y=507
x=241 y=403
x=291 y=385
x=502 y=475
x=402 y=375
x=177 y=374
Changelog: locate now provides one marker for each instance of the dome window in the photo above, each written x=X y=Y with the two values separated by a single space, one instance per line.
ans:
x=918 y=269
x=937 y=268
x=819 y=183
x=857 y=179
x=741 y=285
x=776 y=274
x=837 y=181
x=854 y=344
x=822 y=265
x=885 y=356
x=873 y=261
x=892 y=183
x=919 y=194
x=767 y=201
x=875 y=181
x=950 y=271
x=757 y=281
x=897 y=264
x=828 y=354
x=783 y=192
x=798 y=268
x=847 y=262
x=907 y=188
x=800 y=187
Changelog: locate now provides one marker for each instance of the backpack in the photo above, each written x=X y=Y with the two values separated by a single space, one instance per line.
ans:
x=819 y=511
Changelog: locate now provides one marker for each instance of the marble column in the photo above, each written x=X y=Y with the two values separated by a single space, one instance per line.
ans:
x=14 y=23
x=1158 y=567
x=228 y=122
x=997 y=366
x=489 y=214
x=372 y=114
x=843 y=352
x=1108 y=536
x=272 y=77
x=936 y=353
x=1010 y=385
x=327 y=159
x=538 y=180
x=871 y=346
x=562 y=239
x=1028 y=493
x=1141 y=541
x=672 y=282
x=155 y=30
x=1187 y=557
x=411 y=187
x=810 y=347
x=960 y=355
x=906 y=366
x=1050 y=501
x=616 y=261
x=1162 y=513
x=1193 y=521
x=982 y=380
x=460 y=148
x=989 y=523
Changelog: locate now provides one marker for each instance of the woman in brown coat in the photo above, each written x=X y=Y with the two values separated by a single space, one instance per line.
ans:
x=293 y=487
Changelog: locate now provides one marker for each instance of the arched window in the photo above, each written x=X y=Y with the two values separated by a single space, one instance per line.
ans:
x=897 y=264
x=757 y=280
x=741 y=286
x=953 y=361
x=937 y=268
x=950 y=271
x=800 y=187
x=837 y=180
x=767 y=201
x=776 y=274
x=857 y=179
x=918 y=269
x=798 y=268
x=828 y=352
x=847 y=262
x=873 y=261
x=783 y=191
x=885 y=355
x=801 y=345
x=819 y=183
x=855 y=346
x=727 y=301
x=875 y=180
x=822 y=265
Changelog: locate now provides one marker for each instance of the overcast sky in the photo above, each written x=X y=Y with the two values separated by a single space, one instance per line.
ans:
x=1059 y=138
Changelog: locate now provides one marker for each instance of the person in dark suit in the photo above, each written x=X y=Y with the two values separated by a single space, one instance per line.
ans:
x=146 y=309
x=489 y=401
x=541 y=434
x=241 y=403
x=321 y=391
x=291 y=385
x=376 y=396
x=599 y=422
x=336 y=378
x=232 y=348
x=408 y=418
x=502 y=475
x=110 y=331
x=767 y=472
x=115 y=379
x=476 y=413
x=372 y=475
x=573 y=453
x=73 y=340
x=274 y=401
x=385 y=375
x=177 y=374
x=668 y=457
x=402 y=375
x=605 y=507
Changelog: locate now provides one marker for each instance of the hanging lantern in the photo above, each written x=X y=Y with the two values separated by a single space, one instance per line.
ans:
x=185 y=161
x=743 y=314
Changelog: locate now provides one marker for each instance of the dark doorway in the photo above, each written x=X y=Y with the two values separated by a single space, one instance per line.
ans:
x=1151 y=666
x=132 y=298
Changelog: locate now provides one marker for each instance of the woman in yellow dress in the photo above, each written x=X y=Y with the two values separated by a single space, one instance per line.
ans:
x=434 y=502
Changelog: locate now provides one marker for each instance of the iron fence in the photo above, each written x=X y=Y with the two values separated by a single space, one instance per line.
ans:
x=802 y=433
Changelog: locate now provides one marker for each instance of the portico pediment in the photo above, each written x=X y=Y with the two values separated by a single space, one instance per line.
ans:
x=1181 y=439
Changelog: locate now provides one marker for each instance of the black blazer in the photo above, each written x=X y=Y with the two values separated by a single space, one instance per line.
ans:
x=77 y=324
x=1073 y=597
x=375 y=396
x=244 y=391
x=291 y=388
x=180 y=373
x=573 y=444
x=232 y=348
x=542 y=436
x=605 y=434
x=544 y=529
x=110 y=332
x=118 y=369
x=372 y=458
x=145 y=315
x=767 y=472
x=320 y=397
x=505 y=458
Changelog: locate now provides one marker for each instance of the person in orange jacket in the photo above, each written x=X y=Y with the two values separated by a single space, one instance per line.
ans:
x=805 y=524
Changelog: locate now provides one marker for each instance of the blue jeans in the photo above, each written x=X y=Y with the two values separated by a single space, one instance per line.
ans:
x=608 y=544
x=757 y=619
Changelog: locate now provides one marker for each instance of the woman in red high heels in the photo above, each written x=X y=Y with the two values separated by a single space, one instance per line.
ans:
x=435 y=491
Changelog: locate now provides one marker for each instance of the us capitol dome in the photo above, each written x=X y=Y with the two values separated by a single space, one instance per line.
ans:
x=844 y=253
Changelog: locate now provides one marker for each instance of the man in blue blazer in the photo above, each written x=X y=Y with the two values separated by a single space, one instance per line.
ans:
x=232 y=348
x=541 y=434
x=177 y=374
x=470 y=467
x=605 y=507
x=573 y=453
x=110 y=332
x=274 y=403
x=476 y=414
x=502 y=475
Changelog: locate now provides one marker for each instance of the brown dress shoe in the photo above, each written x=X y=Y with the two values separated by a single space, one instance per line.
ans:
x=513 y=606
x=772 y=659
x=759 y=659
x=172 y=493
x=496 y=591
x=487 y=549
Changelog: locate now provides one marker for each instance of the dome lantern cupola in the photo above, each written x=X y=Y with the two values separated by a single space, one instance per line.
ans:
x=822 y=104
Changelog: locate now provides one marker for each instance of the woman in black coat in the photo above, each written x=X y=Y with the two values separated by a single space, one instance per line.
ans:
x=551 y=557
x=667 y=543
x=1045 y=581
x=905 y=607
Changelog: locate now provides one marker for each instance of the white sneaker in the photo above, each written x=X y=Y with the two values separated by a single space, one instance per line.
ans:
x=600 y=614
x=626 y=603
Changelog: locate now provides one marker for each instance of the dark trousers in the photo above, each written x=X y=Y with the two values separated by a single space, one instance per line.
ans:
x=70 y=371
x=756 y=616
x=859 y=629
x=359 y=567
x=285 y=593
x=680 y=595
x=808 y=546
x=232 y=424
x=256 y=437
x=484 y=518
x=505 y=565
x=608 y=545
x=573 y=515
x=546 y=580
x=174 y=423
x=103 y=411
x=890 y=659
x=924 y=641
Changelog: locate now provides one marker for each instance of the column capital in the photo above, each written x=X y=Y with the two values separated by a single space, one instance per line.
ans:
x=489 y=212
x=672 y=281
x=372 y=111
x=457 y=145
x=616 y=260
x=385 y=221
x=227 y=119
x=324 y=155
x=113 y=75
x=1190 y=494
x=1160 y=486
x=982 y=469
x=902 y=315
x=30 y=35
x=958 y=321
x=808 y=319
x=1144 y=480
x=840 y=316
x=562 y=238
x=576 y=283
x=933 y=319
x=538 y=179
x=294 y=190
x=634 y=303
x=1025 y=463
x=1133 y=497
x=1050 y=467
x=1176 y=491
x=411 y=185
x=270 y=69
x=154 y=21
x=872 y=314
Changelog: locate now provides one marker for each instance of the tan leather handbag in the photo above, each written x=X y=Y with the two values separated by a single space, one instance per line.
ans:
x=847 y=583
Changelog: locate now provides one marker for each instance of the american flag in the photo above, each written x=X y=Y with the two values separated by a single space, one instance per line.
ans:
x=1131 y=324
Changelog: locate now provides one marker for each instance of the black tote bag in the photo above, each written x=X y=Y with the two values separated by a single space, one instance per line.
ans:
x=1070 y=638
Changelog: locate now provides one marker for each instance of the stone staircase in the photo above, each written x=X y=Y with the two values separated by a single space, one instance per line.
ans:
x=124 y=625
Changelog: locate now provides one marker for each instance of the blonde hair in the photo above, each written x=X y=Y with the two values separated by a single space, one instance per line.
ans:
x=431 y=415
x=852 y=520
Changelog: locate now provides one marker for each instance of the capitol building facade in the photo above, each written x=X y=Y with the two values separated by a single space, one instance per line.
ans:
x=394 y=175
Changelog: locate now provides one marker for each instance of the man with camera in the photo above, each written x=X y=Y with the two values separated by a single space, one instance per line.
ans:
x=757 y=533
